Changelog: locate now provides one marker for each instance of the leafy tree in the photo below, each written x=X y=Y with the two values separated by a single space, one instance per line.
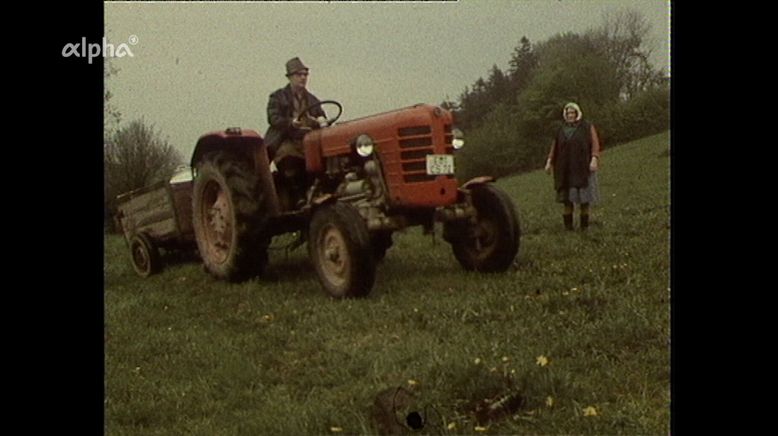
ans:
x=570 y=68
x=474 y=104
x=509 y=118
x=492 y=147
x=522 y=64
x=498 y=86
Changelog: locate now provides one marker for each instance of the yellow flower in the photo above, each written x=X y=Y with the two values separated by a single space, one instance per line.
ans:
x=542 y=360
x=451 y=425
x=412 y=382
x=477 y=361
x=479 y=428
x=336 y=429
x=590 y=411
x=505 y=358
x=549 y=401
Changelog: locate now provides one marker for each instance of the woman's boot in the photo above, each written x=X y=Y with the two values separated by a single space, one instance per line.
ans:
x=568 y=220
x=584 y=222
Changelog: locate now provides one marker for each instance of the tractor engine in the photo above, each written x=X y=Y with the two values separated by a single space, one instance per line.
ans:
x=395 y=161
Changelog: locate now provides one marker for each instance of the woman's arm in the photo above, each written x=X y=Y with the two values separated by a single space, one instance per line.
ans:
x=595 y=143
x=594 y=163
x=550 y=160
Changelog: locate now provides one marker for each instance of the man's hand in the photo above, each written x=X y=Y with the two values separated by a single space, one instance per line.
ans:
x=548 y=166
x=303 y=124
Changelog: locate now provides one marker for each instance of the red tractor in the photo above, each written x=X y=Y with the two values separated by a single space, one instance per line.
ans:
x=366 y=179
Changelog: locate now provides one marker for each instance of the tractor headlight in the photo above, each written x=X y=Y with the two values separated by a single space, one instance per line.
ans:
x=364 y=145
x=459 y=139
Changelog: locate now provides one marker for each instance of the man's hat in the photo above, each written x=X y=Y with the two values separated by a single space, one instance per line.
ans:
x=294 y=65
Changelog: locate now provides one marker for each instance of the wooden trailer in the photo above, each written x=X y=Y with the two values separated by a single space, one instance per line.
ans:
x=157 y=217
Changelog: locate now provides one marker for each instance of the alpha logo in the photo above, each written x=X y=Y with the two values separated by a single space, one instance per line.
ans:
x=93 y=50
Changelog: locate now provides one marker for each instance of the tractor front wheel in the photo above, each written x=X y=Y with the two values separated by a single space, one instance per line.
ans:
x=491 y=242
x=341 y=251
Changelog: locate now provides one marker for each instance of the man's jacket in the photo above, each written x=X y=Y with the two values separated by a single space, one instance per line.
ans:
x=280 y=112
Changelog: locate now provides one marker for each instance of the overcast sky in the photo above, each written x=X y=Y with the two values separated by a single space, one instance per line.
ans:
x=199 y=67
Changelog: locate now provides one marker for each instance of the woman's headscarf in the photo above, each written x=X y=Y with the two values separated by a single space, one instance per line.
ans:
x=574 y=106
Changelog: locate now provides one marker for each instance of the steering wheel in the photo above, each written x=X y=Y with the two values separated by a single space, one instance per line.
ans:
x=329 y=121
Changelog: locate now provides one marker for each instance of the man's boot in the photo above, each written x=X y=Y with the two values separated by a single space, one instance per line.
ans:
x=568 y=219
x=584 y=222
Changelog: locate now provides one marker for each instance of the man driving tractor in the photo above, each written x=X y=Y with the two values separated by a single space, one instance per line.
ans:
x=290 y=119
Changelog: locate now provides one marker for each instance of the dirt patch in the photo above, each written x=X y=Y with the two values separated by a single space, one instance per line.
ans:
x=496 y=407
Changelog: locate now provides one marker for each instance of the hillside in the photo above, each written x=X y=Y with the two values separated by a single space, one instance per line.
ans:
x=574 y=339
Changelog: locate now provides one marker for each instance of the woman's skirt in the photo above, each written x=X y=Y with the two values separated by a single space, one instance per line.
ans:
x=589 y=194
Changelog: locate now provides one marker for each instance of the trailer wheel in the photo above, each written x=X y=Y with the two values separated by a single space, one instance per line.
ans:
x=492 y=242
x=341 y=252
x=228 y=218
x=144 y=255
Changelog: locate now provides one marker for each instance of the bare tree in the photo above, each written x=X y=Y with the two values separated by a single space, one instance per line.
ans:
x=111 y=115
x=135 y=156
x=625 y=37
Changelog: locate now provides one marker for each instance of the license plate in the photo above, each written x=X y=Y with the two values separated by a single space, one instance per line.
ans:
x=440 y=164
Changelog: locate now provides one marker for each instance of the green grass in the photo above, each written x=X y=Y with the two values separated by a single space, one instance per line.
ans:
x=186 y=354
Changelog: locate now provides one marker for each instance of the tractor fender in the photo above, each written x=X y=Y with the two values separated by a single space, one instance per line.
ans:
x=463 y=192
x=323 y=199
x=480 y=180
x=244 y=144
x=318 y=202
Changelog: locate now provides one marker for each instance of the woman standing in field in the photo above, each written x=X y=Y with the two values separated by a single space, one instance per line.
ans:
x=575 y=158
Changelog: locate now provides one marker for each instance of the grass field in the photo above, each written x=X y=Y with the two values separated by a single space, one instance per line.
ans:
x=573 y=340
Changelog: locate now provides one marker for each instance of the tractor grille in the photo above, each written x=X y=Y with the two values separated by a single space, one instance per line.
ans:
x=449 y=139
x=415 y=130
x=416 y=143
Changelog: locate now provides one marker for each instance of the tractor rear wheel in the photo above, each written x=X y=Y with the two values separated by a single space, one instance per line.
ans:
x=228 y=218
x=491 y=243
x=341 y=252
